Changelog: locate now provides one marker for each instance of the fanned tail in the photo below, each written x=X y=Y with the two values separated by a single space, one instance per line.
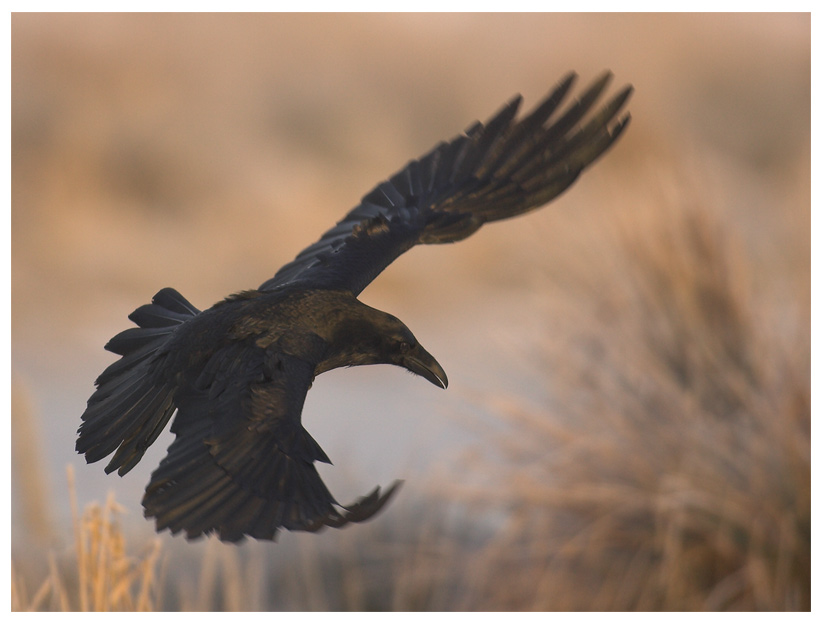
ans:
x=133 y=403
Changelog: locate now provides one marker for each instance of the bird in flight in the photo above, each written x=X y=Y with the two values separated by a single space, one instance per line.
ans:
x=237 y=374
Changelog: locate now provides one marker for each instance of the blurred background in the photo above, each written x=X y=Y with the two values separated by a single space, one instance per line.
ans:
x=627 y=422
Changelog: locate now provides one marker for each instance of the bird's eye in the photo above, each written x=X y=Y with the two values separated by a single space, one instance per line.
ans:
x=405 y=347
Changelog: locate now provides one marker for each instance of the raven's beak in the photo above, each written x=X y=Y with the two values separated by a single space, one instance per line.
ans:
x=420 y=362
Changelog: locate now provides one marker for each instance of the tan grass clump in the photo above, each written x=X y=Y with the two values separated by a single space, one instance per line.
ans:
x=673 y=468
x=102 y=576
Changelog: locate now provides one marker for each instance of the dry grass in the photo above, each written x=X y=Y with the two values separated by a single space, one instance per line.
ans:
x=102 y=575
x=673 y=470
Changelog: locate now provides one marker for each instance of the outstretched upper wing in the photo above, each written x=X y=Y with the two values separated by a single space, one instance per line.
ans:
x=493 y=171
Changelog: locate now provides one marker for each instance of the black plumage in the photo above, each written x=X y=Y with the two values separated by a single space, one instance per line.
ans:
x=236 y=375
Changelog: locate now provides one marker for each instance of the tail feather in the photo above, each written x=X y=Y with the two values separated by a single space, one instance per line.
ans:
x=154 y=415
x=133 y=402
x=129 y=362
x=135 y=338
x=109 y=422
x=155 y=315
x=174 y=302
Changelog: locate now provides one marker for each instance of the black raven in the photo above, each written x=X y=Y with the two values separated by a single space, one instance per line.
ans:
x=237 y=374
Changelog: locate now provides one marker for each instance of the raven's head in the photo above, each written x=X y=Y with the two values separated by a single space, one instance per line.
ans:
x=405 y=351
x=369 y=336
